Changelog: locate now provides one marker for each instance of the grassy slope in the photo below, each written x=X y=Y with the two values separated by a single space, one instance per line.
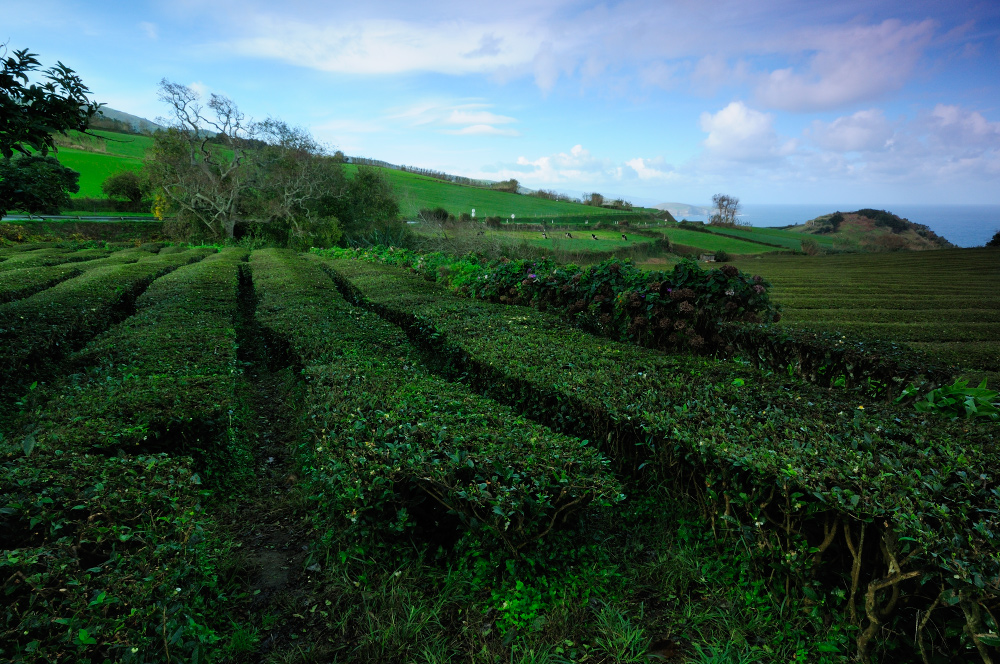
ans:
x=944 y=301
x=788 y=239
x=417 y=192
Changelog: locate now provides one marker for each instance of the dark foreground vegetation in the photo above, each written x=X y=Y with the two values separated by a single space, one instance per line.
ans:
x=235 y=455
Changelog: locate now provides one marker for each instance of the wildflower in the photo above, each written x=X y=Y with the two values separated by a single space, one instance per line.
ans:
x=861 y=407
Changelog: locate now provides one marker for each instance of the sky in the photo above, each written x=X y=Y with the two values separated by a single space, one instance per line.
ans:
x=867 y=102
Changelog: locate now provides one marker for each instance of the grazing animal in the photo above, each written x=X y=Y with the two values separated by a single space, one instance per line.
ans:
x=593 y=236
x=623 y=236
x=569 y=235
x=545 y=236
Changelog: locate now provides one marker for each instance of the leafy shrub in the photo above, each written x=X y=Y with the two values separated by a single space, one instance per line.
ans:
x=41 y=329
x=684 y=308
x=994 y=241
x=835 y=477
x=958 y=400
x=394 y=448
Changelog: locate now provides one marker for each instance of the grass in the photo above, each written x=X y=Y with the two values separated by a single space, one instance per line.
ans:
x=787 y=239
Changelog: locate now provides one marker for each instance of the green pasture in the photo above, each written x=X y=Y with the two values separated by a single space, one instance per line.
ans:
x=710 y=242
x=418 y=191
x=787 y=239
x=945 y=302
x=94 y=168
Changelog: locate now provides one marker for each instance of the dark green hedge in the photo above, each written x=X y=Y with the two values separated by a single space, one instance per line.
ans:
x=871 y=500
x=394 y=448
x=40 y=329
x=106 y=551
x=17 y=284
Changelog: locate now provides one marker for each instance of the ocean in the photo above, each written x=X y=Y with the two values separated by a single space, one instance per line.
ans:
x=963 y=225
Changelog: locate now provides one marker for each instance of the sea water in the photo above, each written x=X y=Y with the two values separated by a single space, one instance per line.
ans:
x=963 y=225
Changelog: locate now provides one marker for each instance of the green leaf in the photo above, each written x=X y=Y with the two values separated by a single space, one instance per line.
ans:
x=28 y=444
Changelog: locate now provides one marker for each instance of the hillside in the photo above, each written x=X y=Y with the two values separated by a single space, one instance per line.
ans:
x=98 y=154
x=873 y=230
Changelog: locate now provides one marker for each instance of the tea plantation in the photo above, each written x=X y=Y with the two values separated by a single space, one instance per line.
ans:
x=223 y=455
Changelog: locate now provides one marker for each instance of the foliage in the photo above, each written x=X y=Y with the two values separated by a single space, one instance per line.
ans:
x=842 y=473
x=683 y=308
x=958 y=400
x=32 y=113
x=43 y=328
x=36 y=184
x=994 y=241
x=394 y=449
x=129 y=186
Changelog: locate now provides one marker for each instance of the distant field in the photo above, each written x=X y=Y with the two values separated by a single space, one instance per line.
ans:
x=94 y=168
x=788 y=239
x=125 y=152
x=711 y=242
x=945 y=302
x=418 y=191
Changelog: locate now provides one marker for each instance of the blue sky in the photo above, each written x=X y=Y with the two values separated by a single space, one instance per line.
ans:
x=775 y=102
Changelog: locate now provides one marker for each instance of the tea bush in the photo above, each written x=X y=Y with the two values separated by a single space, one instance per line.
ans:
x=851 y=496
x=41 y=329
x=393 y=448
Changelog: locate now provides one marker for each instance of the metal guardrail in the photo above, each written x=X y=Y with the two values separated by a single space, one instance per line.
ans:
x=73 y=217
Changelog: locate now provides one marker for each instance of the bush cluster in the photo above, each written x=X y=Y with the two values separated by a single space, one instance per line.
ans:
x=865 y=505
x=45 y=327
x=683 y=308
x=394 y=449
x=108 y=549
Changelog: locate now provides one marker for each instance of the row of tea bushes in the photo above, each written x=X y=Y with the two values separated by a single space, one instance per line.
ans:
x=682 y=308
x=718 y=311
x=45 y=327
x=163 y=379
x=54 y=256
x=396 y=449
x=111 y=555
x=894 y=510
x=23 y=282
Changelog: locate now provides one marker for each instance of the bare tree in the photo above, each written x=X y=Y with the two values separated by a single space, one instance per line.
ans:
x=217 y=167
x=199 y=165
x=728 y=207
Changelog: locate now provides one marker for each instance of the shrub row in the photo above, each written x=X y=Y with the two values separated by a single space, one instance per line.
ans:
x=43 y=328
x=393 y=448
x=707 y=311
x=110 y=557
x=683 y=308
x=21 y=283
x=36 y=258
x=861 y=499
x=162 y=380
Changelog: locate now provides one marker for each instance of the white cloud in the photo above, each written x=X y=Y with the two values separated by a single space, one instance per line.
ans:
x=647 y=169
x=849 y=65
x=482 y=130
x=444 y=115
x=740 y=133
x=864 y=130
x=381 y=46
x=463 y=116
x=150 y=30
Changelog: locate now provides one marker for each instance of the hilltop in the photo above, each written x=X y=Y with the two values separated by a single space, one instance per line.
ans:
x=873 y=230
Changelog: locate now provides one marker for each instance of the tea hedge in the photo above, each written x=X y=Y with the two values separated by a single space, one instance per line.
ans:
x=706 y=311
x=683 y=308
x=20 y=283
x=163 y=379
x=104 y=559
x=39 y=330
x=111 y=558
x=395 y=449
x=38 y=258
x=16 y=284
x=895 y=510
